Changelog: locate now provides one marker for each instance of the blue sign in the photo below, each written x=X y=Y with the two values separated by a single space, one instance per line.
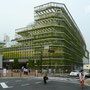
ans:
x=51 y=51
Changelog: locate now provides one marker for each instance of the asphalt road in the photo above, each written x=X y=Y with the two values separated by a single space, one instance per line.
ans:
x=37 y=84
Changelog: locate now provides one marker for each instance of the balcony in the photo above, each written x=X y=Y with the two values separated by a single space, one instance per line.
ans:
x=36 y=27
x=25 y=29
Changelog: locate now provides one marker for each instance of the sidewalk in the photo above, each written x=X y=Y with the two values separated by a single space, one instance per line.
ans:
x=18 y=73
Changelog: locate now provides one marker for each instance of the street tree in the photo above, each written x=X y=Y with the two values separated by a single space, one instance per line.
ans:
x=16 y=63
x=30 y=64
x=38 y=64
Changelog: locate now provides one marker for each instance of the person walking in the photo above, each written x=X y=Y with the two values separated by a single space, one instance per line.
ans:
x=82 y=77
x=24 y=71
x=36 y=73
x=44 y=76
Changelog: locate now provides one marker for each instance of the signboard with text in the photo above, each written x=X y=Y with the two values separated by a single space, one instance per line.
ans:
x=0 y=61
x=51 y=51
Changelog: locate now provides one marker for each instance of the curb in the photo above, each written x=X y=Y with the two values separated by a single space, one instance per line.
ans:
x=56 y=78
x=16 y=77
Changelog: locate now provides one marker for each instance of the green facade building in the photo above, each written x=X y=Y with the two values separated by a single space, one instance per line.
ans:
x=54 y=39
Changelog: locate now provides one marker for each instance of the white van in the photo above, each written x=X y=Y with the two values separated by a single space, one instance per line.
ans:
x=86 y=69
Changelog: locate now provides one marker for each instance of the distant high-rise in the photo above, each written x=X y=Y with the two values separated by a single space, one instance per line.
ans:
x=6 y=38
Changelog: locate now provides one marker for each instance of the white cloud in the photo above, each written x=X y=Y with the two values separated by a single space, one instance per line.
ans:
x=87 y=10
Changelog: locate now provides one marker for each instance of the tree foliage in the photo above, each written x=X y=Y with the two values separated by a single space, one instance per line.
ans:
x=38 y=64
x=16 y=63
x=30 y=64
x=34 y=64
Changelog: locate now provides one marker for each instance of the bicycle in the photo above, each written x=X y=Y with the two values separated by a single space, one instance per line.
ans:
x=82 y=84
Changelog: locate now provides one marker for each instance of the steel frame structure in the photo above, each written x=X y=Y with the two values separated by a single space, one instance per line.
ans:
x=55 y=28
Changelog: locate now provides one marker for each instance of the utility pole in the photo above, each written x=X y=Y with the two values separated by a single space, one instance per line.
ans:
x=50 y=51
x=41 y=57
x=49 y=59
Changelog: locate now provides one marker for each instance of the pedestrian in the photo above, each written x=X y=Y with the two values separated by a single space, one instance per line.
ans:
x=54 y=71
x=36 y=73
x=24 y=71
x=82 y=77
x=0 y=74
x=44 y=76
x=49 y=70
x=22 y=68
x=29 y=70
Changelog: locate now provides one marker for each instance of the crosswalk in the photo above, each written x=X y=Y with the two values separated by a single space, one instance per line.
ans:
x=8 y=84
x=25 y=84
x=67 y=80
x=4 y=85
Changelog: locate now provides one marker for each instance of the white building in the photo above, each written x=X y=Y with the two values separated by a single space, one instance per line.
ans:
x=6 y=38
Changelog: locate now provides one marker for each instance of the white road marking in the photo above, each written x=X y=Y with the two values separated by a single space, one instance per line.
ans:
x=29 y=79
x=3 y=82
x=18 y=80
x=37 y=82
x=5 y=86
x=68 y=81
x=25 y=84
x=49 y=80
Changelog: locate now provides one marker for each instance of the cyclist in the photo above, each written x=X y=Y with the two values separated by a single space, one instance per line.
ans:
x=82 y=77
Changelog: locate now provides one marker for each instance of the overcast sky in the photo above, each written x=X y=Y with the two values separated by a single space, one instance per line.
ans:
x=19 y=13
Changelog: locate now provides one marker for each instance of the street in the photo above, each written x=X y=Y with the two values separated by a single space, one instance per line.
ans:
x=37 y=84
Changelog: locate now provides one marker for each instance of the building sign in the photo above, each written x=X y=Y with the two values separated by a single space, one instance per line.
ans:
x=51 y=51
x=0 y=61
x=46 y=47
x=11 y=60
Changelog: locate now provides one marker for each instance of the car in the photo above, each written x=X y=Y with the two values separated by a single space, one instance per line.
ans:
x=74 y=73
